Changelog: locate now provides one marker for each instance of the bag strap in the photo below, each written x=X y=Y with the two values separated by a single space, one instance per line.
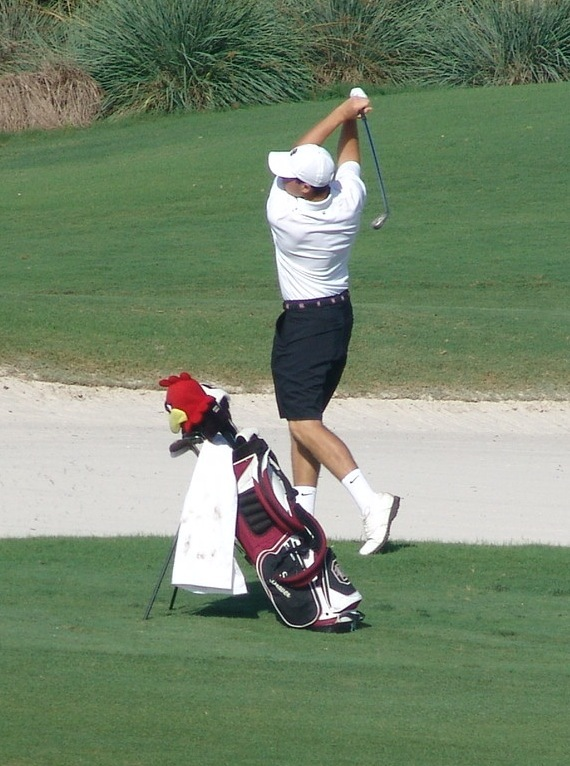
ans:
x=298 y=521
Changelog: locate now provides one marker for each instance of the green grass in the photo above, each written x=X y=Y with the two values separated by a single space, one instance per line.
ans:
x=148 y=55
x=139 y=248
x=462 y=660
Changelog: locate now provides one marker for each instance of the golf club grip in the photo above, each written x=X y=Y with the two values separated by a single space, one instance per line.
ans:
x=376 y=163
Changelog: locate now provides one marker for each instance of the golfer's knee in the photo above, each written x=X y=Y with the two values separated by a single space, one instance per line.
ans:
x=301 y=430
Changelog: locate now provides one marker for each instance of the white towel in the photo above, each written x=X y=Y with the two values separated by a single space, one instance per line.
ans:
x=204 y=558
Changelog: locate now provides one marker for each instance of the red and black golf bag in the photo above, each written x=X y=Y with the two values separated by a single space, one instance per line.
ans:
x=287 y=546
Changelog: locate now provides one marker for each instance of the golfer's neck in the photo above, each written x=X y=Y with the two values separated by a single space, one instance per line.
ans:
x=317 y=196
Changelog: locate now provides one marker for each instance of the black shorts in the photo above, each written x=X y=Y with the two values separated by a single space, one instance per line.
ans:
x=309 y=354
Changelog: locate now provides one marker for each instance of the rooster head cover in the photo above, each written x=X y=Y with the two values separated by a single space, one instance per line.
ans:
x=186 y=402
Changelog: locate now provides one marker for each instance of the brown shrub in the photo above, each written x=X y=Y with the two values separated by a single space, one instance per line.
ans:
x=54 y=97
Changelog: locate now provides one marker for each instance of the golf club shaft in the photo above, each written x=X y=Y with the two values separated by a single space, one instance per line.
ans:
x=377 y=164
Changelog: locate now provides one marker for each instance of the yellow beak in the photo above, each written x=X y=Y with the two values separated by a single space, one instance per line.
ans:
x=175 y=420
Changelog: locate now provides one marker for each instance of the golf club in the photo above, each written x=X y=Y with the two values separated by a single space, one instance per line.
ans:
x=378 y=222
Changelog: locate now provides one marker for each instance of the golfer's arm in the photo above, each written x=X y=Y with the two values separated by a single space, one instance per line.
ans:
x=348 y=145
x=346 y=112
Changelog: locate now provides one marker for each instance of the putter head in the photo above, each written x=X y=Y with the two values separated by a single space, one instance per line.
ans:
x=377 y=223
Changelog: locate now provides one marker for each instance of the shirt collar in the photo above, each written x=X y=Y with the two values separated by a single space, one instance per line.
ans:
x=315 y=205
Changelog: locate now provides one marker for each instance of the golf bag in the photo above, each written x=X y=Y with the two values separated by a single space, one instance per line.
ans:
x=287 y=546
x=298 y=571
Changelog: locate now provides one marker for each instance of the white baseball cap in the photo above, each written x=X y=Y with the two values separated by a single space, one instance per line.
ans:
x=309 y=163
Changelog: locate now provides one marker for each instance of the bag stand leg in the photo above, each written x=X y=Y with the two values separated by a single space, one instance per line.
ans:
x=161 y=578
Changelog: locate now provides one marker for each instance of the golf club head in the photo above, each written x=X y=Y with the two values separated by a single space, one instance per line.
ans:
x=377 y=223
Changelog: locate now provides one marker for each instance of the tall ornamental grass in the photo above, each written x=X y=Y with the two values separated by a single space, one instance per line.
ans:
x=359 y=41
x=494 y=42
x=27 y=36
x=40 y=87
x=51 y=97
x=166 y=55
x=152 y=55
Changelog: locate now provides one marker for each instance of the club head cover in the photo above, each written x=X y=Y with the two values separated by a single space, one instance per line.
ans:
x=186 y=402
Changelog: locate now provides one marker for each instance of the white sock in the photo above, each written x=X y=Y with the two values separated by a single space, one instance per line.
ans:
x=360 y=490
x=306 y=498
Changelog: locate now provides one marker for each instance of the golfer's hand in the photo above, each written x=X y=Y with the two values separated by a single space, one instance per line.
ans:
x=354 y=107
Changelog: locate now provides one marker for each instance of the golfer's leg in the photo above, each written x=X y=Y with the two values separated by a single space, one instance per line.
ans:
x=316 y=445
x=305 y=467
x=378 y=510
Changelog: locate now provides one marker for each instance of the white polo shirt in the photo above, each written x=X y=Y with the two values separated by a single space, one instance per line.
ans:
x=313 y=240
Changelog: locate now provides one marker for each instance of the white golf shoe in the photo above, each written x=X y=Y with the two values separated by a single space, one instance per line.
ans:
x=377 y=522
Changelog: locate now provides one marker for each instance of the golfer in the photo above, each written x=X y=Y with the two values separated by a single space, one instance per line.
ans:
x=313 y=211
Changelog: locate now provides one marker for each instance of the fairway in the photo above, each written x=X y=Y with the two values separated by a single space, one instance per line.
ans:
x=138 y=247
x=462 y=660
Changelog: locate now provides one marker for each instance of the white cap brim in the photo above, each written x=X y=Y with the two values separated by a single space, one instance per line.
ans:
x=280 y=164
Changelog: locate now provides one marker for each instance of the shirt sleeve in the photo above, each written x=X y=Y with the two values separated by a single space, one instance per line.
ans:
x=348 y=176
x=348 y=168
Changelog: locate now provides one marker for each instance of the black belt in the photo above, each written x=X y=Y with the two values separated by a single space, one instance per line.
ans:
x=330 y=300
